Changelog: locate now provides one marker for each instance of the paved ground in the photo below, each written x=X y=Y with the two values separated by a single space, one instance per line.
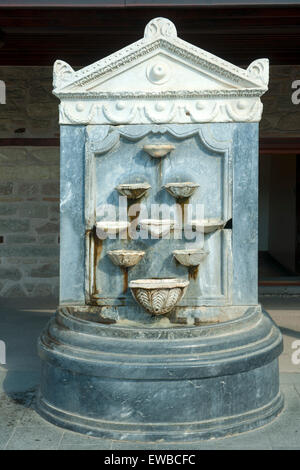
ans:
x=22 y=428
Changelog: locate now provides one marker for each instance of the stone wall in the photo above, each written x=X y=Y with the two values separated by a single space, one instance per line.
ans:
x=29 y=176
x=29 y=186
x=281 y=118
x=30 y=110
x=29 y=221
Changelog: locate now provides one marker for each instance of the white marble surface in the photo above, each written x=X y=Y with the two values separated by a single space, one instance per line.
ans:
x=160 y=79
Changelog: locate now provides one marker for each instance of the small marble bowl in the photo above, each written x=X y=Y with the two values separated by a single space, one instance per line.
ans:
x=158 y=296
x=157 y=227
x=207 y=225
x=158 y=150
x=181 y=190
x=134 y=190
x=191 y=257
x=111 y=228
x=125 y=258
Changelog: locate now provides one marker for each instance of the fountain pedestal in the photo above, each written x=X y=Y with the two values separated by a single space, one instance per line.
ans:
x=159 y=339
x=160 y=384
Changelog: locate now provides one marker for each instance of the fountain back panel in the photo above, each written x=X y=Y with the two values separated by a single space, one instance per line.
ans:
x=193 y=159
x=162 y=321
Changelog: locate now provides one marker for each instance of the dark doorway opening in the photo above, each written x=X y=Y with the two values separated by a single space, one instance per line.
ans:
x=279 y=221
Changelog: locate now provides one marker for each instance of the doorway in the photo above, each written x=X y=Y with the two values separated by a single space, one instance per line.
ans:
x=278 y=232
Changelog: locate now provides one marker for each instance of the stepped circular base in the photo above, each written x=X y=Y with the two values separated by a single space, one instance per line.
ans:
x=160 y=385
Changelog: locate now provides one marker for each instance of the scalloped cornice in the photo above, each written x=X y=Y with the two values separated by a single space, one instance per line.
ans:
x=160 y=79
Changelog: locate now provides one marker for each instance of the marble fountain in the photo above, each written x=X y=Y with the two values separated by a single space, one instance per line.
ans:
x=159 y=336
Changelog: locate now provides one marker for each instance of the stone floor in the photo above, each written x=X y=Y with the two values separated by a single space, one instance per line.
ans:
x=22 y=428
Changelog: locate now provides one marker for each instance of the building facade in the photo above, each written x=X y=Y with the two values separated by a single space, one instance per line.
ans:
x=29 y=135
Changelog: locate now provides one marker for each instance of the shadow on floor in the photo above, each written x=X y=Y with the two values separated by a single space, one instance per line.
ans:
x=283 y=302
x=21 y=322
x=289 y=332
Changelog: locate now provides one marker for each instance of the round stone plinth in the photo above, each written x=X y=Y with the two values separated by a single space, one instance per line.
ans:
x=176 y=384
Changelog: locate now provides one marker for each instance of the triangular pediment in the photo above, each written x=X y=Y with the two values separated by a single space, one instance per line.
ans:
x=154 y=72
x=160 y=79
x=159 y=62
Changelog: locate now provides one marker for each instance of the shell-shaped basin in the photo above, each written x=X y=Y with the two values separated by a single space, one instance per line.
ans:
x=208 y=225
x=158 y=150
x=181 y=190
x=191 y=257
x=133 y=190
x=104 y=228
x=125 y=258
x=157 y=227
x=158 y=296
